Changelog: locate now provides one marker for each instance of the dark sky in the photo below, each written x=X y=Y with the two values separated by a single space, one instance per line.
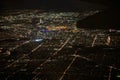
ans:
x=72 y=5
x=51 y=4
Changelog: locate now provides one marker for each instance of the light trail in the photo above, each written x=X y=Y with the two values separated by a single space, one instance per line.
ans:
x=68 y=68
x=75 y=56
x=62 y=46
x=24 y=56
x=20 y=59
x=21 y=45
x=36 y=48
x=110 y=72
x=49 y=58
x=108 y=40
x=25 y=65
x=82 y=57
x=94 y=40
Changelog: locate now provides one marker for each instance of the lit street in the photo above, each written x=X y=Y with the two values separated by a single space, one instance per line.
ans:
x=38 y=45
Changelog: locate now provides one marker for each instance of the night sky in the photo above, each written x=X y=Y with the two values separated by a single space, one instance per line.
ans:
x=53 y=4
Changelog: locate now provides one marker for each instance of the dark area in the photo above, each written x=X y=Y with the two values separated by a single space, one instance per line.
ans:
x=104 y=20
x=108 y=19
x=66 y=5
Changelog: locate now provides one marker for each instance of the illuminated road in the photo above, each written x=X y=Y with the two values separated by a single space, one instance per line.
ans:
x=95 y=38
x=21 y=44
x=33 y=53
x=75 y=56
x=59 y=59
x=42 y=45
x=23 y=56
x=49 y=58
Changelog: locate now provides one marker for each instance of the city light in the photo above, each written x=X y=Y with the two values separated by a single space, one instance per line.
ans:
x=38 y=45
x=38 y=40
x=118 y=76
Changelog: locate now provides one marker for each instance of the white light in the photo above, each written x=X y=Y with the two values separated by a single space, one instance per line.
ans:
x=37 y=40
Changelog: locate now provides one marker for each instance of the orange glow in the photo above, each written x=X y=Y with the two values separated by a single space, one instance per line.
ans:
x=57 y=28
